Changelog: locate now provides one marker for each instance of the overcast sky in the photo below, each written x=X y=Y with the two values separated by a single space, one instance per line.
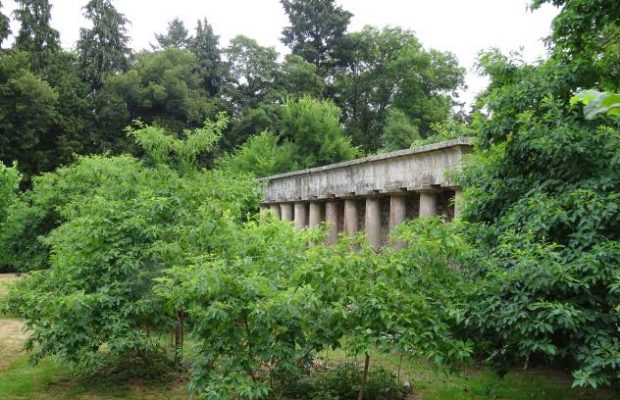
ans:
x=463 y=27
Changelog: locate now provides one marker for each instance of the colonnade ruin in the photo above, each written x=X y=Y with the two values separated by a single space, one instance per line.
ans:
x=373 y=194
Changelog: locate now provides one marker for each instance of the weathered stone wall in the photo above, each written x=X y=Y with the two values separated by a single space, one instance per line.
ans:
x=372 y=194
x=405 y=170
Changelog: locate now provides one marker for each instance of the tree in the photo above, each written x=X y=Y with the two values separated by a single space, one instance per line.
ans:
x=253 y=70
x=543 y=203
x=103 y=49
x=388 y=68
x=162 y=88
x=9 y=185
x=586 y=35
x=398 y=133
x=313 y=127
x=35 y=35
x=297 y=78
x=205 y=45
x=316 y=30
x=27 y=113
x=261 y=155
x=5 y=28
x=176 y=36
x=263 y=117
x=123 y=223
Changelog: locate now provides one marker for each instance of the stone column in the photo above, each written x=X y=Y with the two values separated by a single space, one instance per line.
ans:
x=315 y=214
x=276 y=209
x=286 y=211
x=301 y=216
x=331 y=216
x=350 y=217
x=458 y=202
x=398 y=210
x=428 y=203
x=372 y=222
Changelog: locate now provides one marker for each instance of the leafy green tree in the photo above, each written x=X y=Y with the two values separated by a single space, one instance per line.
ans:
x=316 y=31
x=247 y=307
x=205 y=45
x=162 y=88
x=542 y=197
x=313 y=127
x=298 y=78
x=103 y=48
x=72 y=132
x=410 y=297
x=387 y=69
x=118 y=233
x=263 y=117
x=261 y=155
x=253 y=70
x=398 y=132
x=9 y=185
x=270 y=299
x=586 y=35
x=35 y=35
x=27 y=113
x=5 y=28
x=176 y=36
x=37 y=214
x=46 y=117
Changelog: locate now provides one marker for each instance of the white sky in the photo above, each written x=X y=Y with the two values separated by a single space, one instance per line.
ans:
x=463 y=27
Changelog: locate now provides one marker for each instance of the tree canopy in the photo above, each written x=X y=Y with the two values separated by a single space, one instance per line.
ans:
x=317 y=31
x=103 y=48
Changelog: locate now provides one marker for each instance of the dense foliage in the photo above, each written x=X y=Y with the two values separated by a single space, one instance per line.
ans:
x=136 y=219
x=103 y=48
x=139 y=219
x=143 y=248
x=84 y=100
x=543 y=197
x=262 y=308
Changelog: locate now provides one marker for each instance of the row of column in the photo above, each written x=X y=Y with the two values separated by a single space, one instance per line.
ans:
x=311 y=216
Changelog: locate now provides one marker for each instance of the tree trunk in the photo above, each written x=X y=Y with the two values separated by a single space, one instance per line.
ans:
x=179 y=336
x=360 y=395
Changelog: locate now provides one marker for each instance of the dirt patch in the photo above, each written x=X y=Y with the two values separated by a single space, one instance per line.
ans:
x=12 y=339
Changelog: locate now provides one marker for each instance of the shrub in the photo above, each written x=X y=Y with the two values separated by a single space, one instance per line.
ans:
x=343 y=381
x=95 y=302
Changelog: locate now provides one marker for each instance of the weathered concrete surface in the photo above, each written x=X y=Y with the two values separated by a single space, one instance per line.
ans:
x=405 y=170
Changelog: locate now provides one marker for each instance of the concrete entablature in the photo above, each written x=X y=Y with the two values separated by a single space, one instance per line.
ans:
x=373 y=193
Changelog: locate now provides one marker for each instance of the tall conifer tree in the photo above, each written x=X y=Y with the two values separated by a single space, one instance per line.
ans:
x=176 y=36
x=103 y=48
x=5 y=29
x=205 y=45
x=317 y=30
x=36 y=36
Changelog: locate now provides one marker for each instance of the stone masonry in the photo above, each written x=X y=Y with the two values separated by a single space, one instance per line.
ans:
x=374 y=193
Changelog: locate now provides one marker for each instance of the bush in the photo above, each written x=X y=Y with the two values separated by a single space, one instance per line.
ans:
x=261 y=156
x=9 y=185
x=313 y=127
x=266 y=304
x=116 y=236
x=545 y=214
x=343 y=381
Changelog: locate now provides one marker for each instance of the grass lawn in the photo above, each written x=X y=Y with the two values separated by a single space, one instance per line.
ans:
x=431 y=383
x=50 y=379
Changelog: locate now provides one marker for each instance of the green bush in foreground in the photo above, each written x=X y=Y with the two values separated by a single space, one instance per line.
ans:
x=342 y=382
x=260 y=310
x=95 y=302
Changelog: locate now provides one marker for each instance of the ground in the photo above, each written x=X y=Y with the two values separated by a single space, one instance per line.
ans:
x=50 y=379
